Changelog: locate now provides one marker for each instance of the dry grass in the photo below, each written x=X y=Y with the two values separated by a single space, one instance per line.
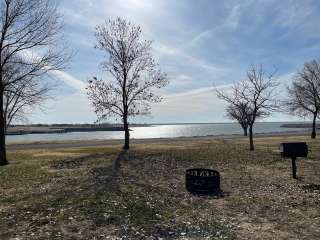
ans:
x=74 y=193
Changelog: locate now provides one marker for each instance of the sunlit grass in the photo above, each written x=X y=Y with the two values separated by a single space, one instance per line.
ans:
x=68 y=193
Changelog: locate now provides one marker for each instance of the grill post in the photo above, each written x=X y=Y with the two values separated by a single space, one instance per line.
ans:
x=294 y=168
x=293 y=150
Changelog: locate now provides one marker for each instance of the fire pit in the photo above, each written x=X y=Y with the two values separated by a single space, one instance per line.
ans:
x=202 y=181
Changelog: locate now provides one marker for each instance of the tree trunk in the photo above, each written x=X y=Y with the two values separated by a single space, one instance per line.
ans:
x=251 y=138
x=313 y=134
x=126 y=133
x=3 y=157
x=245 y=131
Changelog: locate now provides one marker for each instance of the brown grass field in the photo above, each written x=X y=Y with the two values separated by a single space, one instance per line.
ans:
x=78 y=193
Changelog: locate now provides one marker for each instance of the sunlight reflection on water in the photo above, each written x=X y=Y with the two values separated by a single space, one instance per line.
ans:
x=154 y=131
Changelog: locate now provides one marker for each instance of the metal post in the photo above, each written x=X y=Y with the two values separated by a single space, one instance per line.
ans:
x=294 y=168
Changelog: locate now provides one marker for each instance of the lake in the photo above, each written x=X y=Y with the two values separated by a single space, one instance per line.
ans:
x=156 y=131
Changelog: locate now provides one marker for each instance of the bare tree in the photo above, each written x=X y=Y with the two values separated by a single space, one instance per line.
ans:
x=251 y=99
x=304 y=93
x=24 y=95
x=237 y=109
x=29 y=48
x=238 y=113
x=134 y=71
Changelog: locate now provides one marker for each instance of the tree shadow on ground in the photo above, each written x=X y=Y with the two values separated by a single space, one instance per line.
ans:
x=313 y=188
x=103 y=175
x=74 y=162
x=215 y=195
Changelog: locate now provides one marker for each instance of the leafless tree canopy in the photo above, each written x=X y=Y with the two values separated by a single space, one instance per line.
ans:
x=252 y=98
x=131 y=64
x=21 y=97
x=30 y=47
x=135 y=73
x=305 y=90
x=304 y=93
x=239 y=113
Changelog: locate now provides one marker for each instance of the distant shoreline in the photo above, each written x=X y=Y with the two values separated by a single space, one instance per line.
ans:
x=45 y=130
x=67 y=128
x=95 y=143
x=49 y=129
x=299 y=125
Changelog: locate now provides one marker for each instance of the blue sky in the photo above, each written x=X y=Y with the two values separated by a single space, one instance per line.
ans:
x=200 y=44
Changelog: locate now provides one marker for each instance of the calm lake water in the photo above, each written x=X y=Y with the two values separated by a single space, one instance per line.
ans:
x=155 y=131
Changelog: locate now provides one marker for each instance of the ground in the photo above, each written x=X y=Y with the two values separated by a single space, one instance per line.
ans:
x=81 y=193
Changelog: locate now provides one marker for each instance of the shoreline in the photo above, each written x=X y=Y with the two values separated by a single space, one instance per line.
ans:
x=65 y=128
x=104 y=142
x=26 y=131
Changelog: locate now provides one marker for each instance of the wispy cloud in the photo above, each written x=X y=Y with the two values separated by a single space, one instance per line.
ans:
x=199 y=44
x=187 y=59
x=69 y=80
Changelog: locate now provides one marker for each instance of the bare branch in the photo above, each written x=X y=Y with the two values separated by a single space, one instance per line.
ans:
x=304 y=93
x=130 y=63
x=251 y=99
x=30 y=47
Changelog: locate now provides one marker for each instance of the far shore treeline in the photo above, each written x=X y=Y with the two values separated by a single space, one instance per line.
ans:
x=84 y=125
x=65 y=128
x=302 y=124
